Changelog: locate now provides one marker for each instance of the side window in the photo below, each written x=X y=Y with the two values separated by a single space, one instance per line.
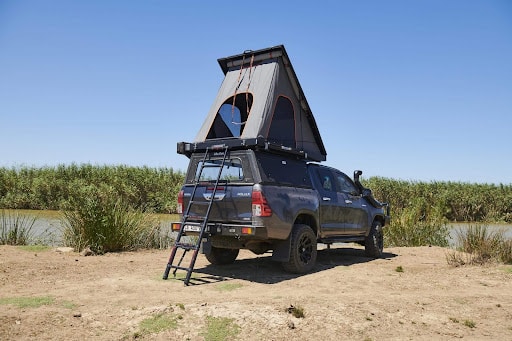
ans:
x=282 y=127
x=326 y=180
x=345 y=184
x=231 y=117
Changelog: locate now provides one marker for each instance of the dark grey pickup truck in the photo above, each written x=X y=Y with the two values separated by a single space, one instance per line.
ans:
x=269 y=202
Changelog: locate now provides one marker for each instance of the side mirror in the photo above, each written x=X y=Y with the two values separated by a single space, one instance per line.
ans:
x=367 y=192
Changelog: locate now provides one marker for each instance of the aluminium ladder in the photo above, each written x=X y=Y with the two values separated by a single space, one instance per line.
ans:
x=202 y=222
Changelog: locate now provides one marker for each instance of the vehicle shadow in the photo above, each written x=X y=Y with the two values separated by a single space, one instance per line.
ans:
x=261 y=269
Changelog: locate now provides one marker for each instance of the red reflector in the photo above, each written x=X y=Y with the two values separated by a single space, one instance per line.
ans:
x=246 y=230
x=175 y=226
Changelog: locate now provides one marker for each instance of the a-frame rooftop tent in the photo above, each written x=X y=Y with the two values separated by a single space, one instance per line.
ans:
x=260 y=105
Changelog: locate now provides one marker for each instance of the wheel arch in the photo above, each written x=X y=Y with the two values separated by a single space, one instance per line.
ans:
x=307 y=219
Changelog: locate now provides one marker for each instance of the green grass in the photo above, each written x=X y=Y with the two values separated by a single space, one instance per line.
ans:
x=158 y=323
x=35 y=248
x=220 y=329
x=399 y=269
x=28 y=302
x=469 y=323
x=228 y=286
x=296 y=311
x=68 y=304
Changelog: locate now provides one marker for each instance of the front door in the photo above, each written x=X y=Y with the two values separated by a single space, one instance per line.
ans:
x=331 y=215
x=355 y=217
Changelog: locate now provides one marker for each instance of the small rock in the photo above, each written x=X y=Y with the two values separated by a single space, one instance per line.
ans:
x=77 y=314
x=291 y=325
x=87 y=252
x=64 y=249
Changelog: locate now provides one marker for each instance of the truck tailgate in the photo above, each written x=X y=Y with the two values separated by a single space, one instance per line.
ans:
x=232 y=202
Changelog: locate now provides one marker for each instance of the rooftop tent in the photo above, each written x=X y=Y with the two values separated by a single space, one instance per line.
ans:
x=261 y=104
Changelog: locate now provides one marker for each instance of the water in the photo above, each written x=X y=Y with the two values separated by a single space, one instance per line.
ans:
x=457 y=228
x=48 y=226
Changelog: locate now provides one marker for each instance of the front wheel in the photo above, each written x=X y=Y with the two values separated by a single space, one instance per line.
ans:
x=374 y=242
x=302 y=251
x=221 y=256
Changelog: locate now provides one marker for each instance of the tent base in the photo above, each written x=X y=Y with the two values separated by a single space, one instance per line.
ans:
x=187 y=148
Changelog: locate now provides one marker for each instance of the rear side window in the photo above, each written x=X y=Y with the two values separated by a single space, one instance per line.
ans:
x=283 y=170
x=231 y=171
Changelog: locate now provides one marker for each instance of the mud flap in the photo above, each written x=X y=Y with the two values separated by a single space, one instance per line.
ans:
x=206 y=246
x=281 y=251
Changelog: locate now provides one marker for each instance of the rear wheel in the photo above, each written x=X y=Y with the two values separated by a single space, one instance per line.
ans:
x=221 y=256
x=374 y=242
x=302 y=251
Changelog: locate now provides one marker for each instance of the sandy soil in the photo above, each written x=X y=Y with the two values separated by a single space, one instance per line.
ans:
x=347 y=297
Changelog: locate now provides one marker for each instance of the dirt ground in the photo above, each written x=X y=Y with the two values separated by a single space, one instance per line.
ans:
x=347 y=297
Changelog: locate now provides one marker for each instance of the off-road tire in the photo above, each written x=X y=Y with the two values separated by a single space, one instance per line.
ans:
x=303 y=250
x=221 y=256
x=374 y=242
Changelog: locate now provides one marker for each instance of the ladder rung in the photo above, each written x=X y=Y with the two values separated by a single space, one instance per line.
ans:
x=181 y=267
x=195 y=202
x=187 y=246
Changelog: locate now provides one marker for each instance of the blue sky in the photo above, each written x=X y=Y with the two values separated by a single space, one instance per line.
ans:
x=411 y=90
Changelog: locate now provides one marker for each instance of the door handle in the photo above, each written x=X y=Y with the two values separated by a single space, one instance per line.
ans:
x=348 y=201
x=326 y=199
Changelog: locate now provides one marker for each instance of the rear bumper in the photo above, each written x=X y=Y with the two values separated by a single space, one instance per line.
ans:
x=221 y=229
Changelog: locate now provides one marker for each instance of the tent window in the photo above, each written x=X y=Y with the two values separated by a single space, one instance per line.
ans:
x=230 y=120
x=282 y=127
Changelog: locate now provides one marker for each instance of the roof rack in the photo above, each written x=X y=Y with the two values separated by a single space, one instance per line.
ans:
x=188 y=148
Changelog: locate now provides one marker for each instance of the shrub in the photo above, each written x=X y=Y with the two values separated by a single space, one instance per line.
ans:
x=418 y=224
x=98 y=219
x=479 y=245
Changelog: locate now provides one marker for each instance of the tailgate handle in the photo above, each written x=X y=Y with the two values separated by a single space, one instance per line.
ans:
x=326 y=199
x=218 y=196
x=348 y=201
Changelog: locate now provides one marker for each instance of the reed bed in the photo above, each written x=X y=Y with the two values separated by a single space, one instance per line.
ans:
x=100 y=202
x=53 y=188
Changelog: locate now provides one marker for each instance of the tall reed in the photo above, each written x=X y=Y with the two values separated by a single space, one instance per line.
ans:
x=478 y=244
x=54 y=187
x=16 y=228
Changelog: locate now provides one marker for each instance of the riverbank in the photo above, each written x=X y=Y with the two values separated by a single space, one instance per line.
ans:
x=410 y=294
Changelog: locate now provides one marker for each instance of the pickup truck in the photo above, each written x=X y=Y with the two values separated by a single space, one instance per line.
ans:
x=270 y=202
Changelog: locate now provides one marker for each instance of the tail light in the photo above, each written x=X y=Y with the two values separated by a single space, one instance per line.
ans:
x=260 y=207
x=180 y=202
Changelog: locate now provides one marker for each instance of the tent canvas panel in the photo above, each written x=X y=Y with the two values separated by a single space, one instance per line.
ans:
x=260 y=99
